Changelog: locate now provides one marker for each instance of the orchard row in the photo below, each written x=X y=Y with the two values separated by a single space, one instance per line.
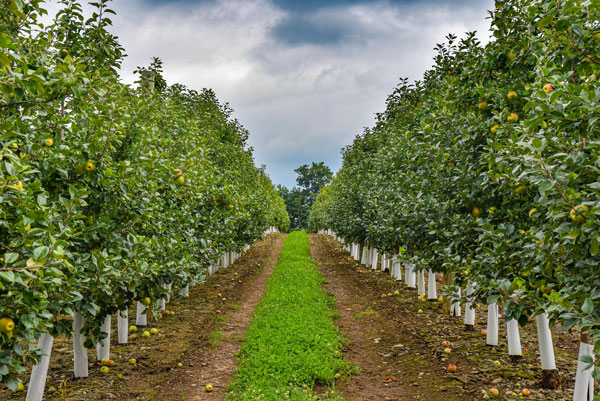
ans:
x=487 y=171
x=109 y=193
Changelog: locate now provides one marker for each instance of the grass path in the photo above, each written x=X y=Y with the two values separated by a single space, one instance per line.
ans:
x=292 y=344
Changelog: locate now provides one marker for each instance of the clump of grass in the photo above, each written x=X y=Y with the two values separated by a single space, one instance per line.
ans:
x=215 y=337
x=292 y=344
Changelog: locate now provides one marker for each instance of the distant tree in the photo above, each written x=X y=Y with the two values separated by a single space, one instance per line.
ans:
x=299 y=200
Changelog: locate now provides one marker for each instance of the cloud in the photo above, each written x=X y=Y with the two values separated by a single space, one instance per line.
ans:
x=303 y=76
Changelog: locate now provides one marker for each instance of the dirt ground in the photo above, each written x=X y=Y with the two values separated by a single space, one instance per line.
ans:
x=203 y=335
x=400 y=351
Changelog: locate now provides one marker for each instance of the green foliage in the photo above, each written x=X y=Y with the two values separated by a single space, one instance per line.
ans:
x=300 y=199
x=292 y=343
x=507 y=195
x=107 y=191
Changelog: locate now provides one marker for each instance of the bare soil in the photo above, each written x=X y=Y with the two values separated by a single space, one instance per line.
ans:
x=400 y=351
x=203 y=335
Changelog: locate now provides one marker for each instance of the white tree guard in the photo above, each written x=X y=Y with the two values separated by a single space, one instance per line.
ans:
x=455 y=309
x=80 y=356
x=396 y=274
x=431 y=287
x=123 y=326
x=365 y=252
x=169 y=286
x=421 y=282
x=383 y=262
x=374 y=259
x=492 y=325
x=141 y=315
x=412 y=276
x=545 y=342
x=37 y=380
x=103 y=346
x=469 y=310
x=584 y=382
x=514 y=338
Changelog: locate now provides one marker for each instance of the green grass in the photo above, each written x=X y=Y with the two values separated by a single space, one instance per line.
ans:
x=292 y=344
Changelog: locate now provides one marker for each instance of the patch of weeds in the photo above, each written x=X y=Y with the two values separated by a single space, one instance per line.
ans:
x=214 y=338
x=292 y=344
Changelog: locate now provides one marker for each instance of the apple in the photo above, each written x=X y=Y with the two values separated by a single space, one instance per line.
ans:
x=208 y=388
x=132 y=361
x=146 y=301
x=104 y=361
x=513 y=117
x=154 y=331
x=389 y=294
x=146 y=333
x=447 y=351
x=20 y=387
x=497 y=363
x=494 y=392
x=483 y=331
x=110 y=362
x=48 y=141
x=446 y=343
x=494 y=128
x=520 y=189
x=90 y=166
x=511 y=56
x=383 y=295
x=452 y=368
x=420 y=311
x=548 y=88
x=180 y=180
x=179 y=364
x=579 y=213
x=476 y=212
x=526 y=392
x=104 y=369
x=396 y=292
x=511 y=95
x=482 y=106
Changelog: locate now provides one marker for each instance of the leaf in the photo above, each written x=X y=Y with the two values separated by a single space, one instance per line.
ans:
x=544 y=186
x=7 y=276
x=10 y=257
x=492 y=299
x=34 y=263
x=588 y=307
x=594 y=246
x=40 y=253
x=5 y=60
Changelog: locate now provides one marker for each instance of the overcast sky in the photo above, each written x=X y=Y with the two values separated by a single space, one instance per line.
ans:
x=304 y=77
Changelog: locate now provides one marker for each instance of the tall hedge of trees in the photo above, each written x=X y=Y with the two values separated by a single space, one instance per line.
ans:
x=487 y=169
x=108 y=191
